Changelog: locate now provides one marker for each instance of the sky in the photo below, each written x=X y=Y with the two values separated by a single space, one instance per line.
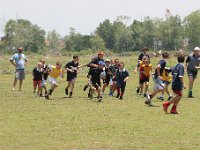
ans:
x=85 y=15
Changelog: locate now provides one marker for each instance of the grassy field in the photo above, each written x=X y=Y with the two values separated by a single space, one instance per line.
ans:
x=30 y=123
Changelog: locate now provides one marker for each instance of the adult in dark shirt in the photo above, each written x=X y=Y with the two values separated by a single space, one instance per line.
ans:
x=158 y=79
x=37 y=79
x=72 y=68
x=192 y=64
x=94 y=64
x=95 y=79
x=177 y=85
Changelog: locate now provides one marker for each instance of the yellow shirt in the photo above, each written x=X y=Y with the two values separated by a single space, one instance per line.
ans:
x=54 y=73
x=146 y=69
x=165 y=75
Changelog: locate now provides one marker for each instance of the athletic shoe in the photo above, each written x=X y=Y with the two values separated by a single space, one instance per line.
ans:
x=110 y=93
x=137 y=90
x=66 y=91
x=85 y=87
x=70 y=94
x=160 y=98
x=117 y=95
x=190 y=96
x=148 y=102
x=169 y=98
x=174 y=112
x=165 y=107
x=145 y=95
x=46 y=96
x=100 y=98
x=121 y=98
x=50 y=92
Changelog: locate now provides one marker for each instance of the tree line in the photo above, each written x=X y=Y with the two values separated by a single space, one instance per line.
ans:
x=170 y=33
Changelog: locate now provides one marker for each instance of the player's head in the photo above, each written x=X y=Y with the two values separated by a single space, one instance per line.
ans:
x=181 y=58
x=40 y=65
x=146 y=61
x=101 y=64
x=58 y=65
x=42 y=61
x=76 y=58
x=145 y=49
x=121 y=65
x=144 y=58
x=116 y=61
x=165 y=55
x=101 y=54
x=20 y=49
x=196 y=50
x=107 y=62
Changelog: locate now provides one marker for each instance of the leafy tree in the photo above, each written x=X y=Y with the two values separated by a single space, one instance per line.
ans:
x=22 y=33
x=192 y=28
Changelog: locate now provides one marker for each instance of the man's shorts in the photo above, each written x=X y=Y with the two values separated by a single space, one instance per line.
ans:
x=53 y=81
x=192 y=73
x=37 y=83
x=178 y=92
x=159 y=85
x=20 y=74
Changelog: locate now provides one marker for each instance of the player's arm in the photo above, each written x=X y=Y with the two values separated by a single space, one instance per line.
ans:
x=127 y=77
x=158 y=71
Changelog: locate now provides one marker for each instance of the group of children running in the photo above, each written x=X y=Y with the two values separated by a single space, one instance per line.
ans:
x=113 y=74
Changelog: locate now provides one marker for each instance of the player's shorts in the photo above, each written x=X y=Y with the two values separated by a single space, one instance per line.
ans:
x=53 y=81
x=192 y=73
x=107 y=80
x=20 y=74
x=159 y=85
x=44 y=82
x=143 y=80
x=178 y=92
x=37 y=83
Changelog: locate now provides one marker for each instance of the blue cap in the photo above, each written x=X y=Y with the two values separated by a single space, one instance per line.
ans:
x=102 y=63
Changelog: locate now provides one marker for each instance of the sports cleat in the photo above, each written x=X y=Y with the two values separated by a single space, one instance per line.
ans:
x=70 y=94
x=137 y=90
x=117 y=95
x=66 y=91
x=46 y=96
x=85 y=87
x=100 y=98
x=148 y=102
x=121 y=98
x=190 y=96
x=110 y=93
x=169 y=98
x=160 y=98
x=145 y=95
x=165 y=107
x=174 y=112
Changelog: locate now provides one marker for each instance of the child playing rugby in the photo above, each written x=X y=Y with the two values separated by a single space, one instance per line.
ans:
x=37 y=79
x=122 y=76
x=177 y=85
x=145 y=70
x=72 y=71
x=54 y=72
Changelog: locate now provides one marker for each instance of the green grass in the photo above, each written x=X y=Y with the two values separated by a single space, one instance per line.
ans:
x=27 y=122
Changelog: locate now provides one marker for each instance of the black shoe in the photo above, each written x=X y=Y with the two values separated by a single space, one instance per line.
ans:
x=117 y=95
x=169 y=98
x=41 y=95
x=137 y=90
x=160 y=98
x=190 y=96
x=148 y=102
x=85 y=87
x=145 y=95
x=100 y=98
x=46 y=96
x=121 y=98
x=50 y=92
x=70 y=94
x=66 y=91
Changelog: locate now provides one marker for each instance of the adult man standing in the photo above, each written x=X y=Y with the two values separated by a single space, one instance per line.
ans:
x=19 y=60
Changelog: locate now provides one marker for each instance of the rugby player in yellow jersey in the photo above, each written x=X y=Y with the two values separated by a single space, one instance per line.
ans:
x=168 y=79
x=54 y=72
